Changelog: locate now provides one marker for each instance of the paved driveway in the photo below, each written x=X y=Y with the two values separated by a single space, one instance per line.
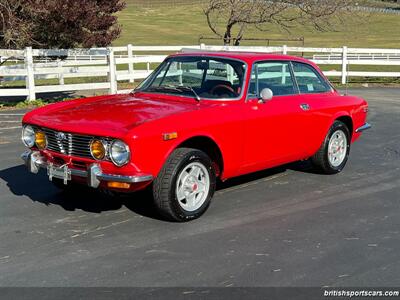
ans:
x=282 y=227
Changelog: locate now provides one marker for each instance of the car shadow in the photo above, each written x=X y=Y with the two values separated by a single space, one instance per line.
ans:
x=304 y=166
x=38 y=189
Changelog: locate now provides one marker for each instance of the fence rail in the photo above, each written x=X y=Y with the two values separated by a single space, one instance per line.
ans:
x=31 y=65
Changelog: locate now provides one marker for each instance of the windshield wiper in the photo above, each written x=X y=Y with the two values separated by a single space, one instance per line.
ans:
x=189 y=88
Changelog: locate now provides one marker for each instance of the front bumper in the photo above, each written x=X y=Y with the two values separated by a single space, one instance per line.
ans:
x=94 y=175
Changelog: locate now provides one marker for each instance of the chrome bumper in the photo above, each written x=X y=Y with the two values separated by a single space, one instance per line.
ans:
x=94 y=175
x=366 y=126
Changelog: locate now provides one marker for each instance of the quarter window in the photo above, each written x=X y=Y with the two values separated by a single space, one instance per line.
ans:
x=273 y=75
x=309 y=80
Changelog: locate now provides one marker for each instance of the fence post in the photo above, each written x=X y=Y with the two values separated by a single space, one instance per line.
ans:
x=30 y=76
x=130 y=65
x=284 y=49
x=112 y=78
x=60 y=72
x=344 y=65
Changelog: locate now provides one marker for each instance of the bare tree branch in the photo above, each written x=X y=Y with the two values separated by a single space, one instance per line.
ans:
x=227 y=16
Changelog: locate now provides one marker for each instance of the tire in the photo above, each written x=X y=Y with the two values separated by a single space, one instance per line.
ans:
x=185 y=185
x=326 y=162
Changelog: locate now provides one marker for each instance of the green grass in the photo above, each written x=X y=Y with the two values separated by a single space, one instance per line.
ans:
x=29 y=104
x=151 y=24
x=182 y=25
x=382 y=4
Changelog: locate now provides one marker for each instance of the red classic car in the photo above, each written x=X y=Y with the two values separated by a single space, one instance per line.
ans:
x=197 y=117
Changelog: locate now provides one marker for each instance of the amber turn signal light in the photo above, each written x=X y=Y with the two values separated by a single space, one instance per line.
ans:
x=40 y=140
x=170 y=136
x=118 y=185
x=97 y=149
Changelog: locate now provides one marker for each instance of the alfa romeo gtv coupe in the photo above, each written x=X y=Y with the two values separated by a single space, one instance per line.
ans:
x=197 y=118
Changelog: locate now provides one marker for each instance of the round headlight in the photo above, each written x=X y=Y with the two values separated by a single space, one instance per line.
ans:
x=97 y=149
x=119 y=153
x=28 y=136
x=40 y=140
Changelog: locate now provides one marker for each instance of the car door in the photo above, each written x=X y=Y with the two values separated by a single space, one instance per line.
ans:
x=318 y=95
x=276 y=130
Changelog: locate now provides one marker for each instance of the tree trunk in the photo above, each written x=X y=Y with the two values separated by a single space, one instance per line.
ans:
x=228 y=35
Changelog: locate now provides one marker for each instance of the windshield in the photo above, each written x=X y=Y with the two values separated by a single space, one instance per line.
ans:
x=198 y=77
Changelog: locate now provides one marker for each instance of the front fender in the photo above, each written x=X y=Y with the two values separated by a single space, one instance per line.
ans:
x=150 y=153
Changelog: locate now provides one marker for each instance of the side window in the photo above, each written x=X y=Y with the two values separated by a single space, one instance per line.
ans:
x=309 y=80
x=273 y=75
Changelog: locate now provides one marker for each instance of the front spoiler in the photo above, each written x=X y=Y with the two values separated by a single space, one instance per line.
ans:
x=94 y=175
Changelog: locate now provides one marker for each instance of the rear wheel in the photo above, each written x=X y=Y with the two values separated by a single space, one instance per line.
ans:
x=184 y=188
x=333 y=154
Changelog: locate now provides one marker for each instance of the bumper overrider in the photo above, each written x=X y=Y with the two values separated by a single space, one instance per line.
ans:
x=94 y=174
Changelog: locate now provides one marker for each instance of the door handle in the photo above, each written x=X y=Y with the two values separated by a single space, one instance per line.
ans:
x=305 y=106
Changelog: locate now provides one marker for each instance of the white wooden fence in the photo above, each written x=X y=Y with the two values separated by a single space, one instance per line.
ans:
x=139 y=61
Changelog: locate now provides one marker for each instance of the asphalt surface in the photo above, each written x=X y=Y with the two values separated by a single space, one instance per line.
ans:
x=282 y=227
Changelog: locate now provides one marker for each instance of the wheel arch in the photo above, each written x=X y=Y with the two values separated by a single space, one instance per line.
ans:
x=208 y=146
x=348 y=121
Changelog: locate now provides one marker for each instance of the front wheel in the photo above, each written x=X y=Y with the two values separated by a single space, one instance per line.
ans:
x=334 y=151
x=184 y=188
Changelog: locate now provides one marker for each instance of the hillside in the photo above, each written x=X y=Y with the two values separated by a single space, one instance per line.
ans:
x=156 y=23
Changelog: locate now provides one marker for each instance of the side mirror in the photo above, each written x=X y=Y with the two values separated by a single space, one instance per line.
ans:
x=266 y=95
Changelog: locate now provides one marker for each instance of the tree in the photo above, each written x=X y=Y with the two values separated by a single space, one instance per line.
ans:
x=226 y=17
x=58 y=23
x=13 y=29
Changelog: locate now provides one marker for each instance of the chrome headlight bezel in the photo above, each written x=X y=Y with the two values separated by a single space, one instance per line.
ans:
x=118 y=145
x=28 y=136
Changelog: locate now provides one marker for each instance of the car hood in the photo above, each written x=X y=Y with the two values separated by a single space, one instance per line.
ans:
x=111 y=114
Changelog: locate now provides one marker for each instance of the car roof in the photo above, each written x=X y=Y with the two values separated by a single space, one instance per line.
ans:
x=248 y=57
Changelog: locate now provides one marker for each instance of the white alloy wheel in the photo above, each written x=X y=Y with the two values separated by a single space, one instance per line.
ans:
x=192 y=186
x=337 y=148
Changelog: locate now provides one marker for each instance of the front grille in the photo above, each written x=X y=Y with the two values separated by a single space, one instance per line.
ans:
x=68 y=143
